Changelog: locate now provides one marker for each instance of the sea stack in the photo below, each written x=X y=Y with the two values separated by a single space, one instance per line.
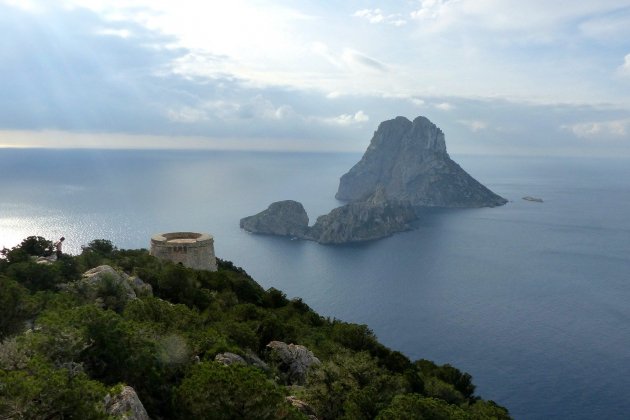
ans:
x=409 y=161
x=283 y=218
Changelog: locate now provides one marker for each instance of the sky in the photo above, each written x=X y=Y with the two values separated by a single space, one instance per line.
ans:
x=498 y=76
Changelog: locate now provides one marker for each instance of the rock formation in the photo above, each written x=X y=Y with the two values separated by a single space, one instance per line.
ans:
x=94 y=281
x=292 y=359
x=228 y=359
x=285 y=218
x=125 y=405
x=374 y=218
x=248 y=358
x=302 y=407
x=534 y=199
x=409 y=160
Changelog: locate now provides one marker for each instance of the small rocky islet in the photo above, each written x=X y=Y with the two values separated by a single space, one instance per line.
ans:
x=405 y=168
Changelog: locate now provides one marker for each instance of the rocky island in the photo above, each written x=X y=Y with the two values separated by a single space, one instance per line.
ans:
x=405 y=168
x=373 y=218
x=409 y=160
x=283 y=218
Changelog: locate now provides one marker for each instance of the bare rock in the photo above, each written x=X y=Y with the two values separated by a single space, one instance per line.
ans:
x=141 y=288
x=409 y=160
x=374 y=218
x=293 y=359
x=302 y=407
x=534 y=199
x=252 y=359
x=228 y=359
x=93 y=280
x=125 y=405
x=285 y=218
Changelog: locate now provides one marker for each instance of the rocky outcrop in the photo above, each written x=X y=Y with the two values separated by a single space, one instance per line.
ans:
x=302 y=407
x=284 y=218
x=374 y=218
x=99 y=278
x=228 y=359
x=293 y=360
x=534 y=199
x=125 y=405
x=409 y=160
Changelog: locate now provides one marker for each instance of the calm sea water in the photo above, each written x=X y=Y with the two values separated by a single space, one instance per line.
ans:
x=531 y=299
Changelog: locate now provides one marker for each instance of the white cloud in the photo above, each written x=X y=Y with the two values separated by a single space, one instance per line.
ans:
x=417 y=101
x=430 y=9
x=372 y=15
x=348 y=119
x=377 y=16
x=120 y=33
x=444 y=106
x=26 y=5
x=599 y=129
x=474 y=125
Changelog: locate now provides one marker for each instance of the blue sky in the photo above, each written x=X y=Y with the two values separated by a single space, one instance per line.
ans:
x=499 y=77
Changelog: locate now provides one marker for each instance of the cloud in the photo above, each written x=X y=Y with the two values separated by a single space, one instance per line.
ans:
x=349 y=119
x=600 y=129
x=70 y=69
x=377 y=16
x=356 y=59
x=474 y=125
x=430 y=9
x=348 y=59
x=444 y=106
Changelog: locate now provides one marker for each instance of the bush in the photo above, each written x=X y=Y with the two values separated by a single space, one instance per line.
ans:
x=214 y=391
x=44 y=392
x=35 y=276
x=15 y=307
x=417 y=407
x=460 y=381
x=104 y=247
x=36 y=246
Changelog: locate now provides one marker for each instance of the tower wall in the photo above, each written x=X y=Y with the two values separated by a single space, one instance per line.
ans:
x=192 y=249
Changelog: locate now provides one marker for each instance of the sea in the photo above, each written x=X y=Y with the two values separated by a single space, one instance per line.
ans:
x=532 y=299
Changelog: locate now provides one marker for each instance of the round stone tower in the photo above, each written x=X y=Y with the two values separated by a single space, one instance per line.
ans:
x=193 y=250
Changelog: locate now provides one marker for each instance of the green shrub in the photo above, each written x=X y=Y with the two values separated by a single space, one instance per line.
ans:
x=214 y=391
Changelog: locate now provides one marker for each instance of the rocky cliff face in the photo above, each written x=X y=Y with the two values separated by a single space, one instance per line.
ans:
x=374 y=218
x=409 y=160
x=284 y=218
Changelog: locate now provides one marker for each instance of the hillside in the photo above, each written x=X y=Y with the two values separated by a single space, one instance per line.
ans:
x=83 y=336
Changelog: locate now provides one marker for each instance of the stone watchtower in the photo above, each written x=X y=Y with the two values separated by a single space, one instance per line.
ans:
x=193 y=250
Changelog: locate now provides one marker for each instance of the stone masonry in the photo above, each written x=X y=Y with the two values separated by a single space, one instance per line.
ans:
x=192 y=249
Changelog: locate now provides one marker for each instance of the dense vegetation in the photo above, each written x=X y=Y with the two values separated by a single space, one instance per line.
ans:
x=62 y=350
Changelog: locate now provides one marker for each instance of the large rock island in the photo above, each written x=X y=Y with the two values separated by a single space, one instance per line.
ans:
x=409 y=160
